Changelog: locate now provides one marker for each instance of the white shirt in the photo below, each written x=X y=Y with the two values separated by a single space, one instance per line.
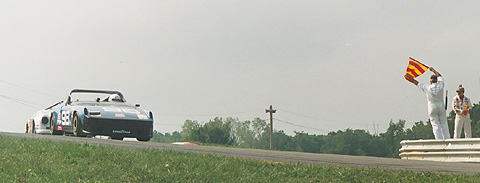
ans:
x=434 y=91
x=459 y=105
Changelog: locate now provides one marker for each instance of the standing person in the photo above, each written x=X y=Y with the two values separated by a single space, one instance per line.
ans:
x=461 y=106
x=436 y=107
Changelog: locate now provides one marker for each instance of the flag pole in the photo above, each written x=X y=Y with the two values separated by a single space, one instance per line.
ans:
x=446 y=100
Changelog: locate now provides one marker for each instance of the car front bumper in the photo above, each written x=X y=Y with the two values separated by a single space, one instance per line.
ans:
x=118 y=127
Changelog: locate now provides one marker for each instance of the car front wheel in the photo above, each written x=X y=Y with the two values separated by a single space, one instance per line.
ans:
x=52 y=126
x=77 y=126
x=143 y=139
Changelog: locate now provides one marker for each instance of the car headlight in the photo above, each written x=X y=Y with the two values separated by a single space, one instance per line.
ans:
x=44 y=120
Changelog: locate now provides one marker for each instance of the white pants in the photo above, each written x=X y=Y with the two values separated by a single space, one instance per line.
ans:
x=464 y=122
x=438 y=118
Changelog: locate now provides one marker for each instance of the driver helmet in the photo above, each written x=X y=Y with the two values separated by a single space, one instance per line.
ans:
x=114 y=97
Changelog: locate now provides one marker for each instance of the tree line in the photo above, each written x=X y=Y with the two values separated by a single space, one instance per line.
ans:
x=256 y=134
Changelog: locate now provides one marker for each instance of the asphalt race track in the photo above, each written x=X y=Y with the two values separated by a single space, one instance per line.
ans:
x=278 y=156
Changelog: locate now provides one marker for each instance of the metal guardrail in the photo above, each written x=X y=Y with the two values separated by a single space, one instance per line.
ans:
x=450 y=150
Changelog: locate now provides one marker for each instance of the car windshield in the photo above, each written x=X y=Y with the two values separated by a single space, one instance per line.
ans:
x=95 y=97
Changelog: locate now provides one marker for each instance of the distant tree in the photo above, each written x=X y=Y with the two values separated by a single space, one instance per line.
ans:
x=377 y=147
x=263 y=141
x=420 y=130
x=244 y=135
x=157 y=136
x=191 y=131
x=256 y=134
x=281 y=141
x=176 y=136
x=233 y=124
x=166 y=138
x=260 y=128
x=348 y=142
x=215 y=131
x=475 y=117
x=218 y=132
x=395 y=133
x=261 y=131
x=303 y=142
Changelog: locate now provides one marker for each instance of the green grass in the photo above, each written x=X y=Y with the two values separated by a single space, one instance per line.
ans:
x=34 y=160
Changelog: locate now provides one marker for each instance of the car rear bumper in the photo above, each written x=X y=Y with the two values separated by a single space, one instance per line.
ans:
x=118 y=127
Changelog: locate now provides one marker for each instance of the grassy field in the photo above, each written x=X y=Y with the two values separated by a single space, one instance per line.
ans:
x=33 y=160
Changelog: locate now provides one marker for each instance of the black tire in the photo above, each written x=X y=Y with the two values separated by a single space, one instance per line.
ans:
x=143 y=139
x=77 y=126
x=52 y=126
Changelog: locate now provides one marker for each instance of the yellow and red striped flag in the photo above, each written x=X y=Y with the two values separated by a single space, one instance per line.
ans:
x=415 y=68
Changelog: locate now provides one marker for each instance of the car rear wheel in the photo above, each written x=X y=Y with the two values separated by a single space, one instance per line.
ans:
x=77 y=126
x=143 y=139
x=53 y=127
x=33 y=128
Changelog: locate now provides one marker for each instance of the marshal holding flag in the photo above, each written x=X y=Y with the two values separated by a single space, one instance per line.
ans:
x=434 y=93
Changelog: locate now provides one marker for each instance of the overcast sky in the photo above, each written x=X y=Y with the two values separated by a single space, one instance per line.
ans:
x=324 y=65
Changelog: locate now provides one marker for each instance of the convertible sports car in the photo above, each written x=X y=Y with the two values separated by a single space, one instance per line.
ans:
x=38 y=123
x=100 y=112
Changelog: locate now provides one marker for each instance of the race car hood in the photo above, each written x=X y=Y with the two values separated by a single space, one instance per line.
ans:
x=120 y=111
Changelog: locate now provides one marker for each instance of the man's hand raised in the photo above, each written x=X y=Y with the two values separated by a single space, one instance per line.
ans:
x=411 y=79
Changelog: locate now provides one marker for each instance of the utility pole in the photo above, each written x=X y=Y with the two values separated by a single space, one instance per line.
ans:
x=271 y=111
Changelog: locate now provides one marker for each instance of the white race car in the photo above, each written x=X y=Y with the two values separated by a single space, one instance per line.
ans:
x=39 y=122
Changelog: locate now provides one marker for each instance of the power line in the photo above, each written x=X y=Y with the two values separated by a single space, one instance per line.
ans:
x=323 y=119
x=299 y=114
x=313 y=117
x=167 y=124
x=290 y=123
x=193 y=115
x=26 y=88
x=23 y=102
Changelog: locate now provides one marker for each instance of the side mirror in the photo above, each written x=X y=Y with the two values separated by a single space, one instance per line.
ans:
x=137 y=105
